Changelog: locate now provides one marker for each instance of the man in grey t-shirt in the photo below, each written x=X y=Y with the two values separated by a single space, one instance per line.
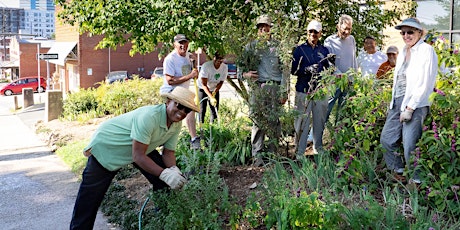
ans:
x=343 y=45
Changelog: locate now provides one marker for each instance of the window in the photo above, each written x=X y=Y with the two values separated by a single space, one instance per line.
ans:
x=32 y=80
x=442 y=16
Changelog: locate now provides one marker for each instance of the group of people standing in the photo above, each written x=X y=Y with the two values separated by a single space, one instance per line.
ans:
x=414 y=73
x=135 y=136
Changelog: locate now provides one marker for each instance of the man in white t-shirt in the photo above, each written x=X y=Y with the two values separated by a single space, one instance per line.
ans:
x=178 y=70
x=370 y=60
x=211 y=78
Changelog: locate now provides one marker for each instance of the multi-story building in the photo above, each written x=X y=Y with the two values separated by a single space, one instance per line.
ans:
x=11 y=20
x=37 y=4
x=39 y=23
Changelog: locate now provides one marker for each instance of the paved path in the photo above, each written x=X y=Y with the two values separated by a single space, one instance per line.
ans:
x=37 y=189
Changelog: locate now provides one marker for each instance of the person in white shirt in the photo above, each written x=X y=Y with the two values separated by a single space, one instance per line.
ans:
x=413 y=82
x=370 y=60
x=178 y=71
x=211 y=78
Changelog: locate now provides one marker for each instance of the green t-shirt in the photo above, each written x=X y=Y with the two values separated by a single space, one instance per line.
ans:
x=112 y=142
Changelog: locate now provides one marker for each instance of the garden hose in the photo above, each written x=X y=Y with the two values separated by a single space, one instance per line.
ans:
x=141 y=211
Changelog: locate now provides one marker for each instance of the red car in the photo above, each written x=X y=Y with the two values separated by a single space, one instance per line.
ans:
x=16 y=87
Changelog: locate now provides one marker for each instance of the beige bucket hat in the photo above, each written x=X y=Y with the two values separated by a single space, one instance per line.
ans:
x=183 y=96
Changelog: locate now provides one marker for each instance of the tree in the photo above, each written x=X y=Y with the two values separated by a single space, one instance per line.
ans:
x=221 y=24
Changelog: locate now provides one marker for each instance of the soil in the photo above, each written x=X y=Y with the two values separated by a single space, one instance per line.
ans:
x=241 y=180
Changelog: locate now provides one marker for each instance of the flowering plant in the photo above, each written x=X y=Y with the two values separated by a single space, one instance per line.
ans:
x=438 y=155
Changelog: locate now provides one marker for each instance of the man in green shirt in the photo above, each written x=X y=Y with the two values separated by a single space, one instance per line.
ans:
x=133 y=138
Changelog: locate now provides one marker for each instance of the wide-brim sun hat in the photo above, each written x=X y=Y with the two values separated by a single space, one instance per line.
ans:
x=182 y=96
x=411 y=22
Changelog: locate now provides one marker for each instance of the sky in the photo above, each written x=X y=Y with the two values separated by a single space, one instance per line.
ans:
x=9 y=3
x=427 y=11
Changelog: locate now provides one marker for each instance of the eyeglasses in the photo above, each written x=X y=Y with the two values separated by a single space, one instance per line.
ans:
x=410 y=32
x=313 y=32
x=179 y=106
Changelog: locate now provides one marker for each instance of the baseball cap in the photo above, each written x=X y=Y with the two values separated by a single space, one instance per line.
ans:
x=392 y=50
x=314 y=25
x=412 y=22
x=264 y=19
x=180 y=37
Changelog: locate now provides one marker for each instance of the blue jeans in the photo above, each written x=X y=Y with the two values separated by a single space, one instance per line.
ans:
x=339 y=96
x=96 y=181
x=395 y=131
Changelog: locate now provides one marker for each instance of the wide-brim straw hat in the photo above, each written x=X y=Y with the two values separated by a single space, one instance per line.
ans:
x=183 y=96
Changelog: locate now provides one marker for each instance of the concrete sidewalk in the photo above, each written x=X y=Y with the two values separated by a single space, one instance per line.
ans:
x=37 y=189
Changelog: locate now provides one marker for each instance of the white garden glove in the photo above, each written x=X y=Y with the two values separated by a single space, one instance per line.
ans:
x=173 y=178
x=406 y=115
x=175 y=168
x=213 y=101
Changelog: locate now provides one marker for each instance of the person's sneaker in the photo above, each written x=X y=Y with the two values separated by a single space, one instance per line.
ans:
x=399 y=171
x=195 y=143
x=258 y=162
x=415 y=181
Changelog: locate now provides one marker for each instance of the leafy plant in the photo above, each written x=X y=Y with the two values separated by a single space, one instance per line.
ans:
x=438 y=154
x=198 y=205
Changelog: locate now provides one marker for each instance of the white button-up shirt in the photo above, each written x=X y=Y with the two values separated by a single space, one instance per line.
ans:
x=420 y=75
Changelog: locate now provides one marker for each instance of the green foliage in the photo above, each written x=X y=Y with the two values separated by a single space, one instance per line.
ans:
x=78 y=103
x=72 y=155
x=438 y=154
x=224 y=24
x=119 y=208
x=360 y=121
x=115 y=99
x=303 y=195
x=196 y=206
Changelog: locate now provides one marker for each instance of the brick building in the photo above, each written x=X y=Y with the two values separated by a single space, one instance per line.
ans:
x=23 y=58
x=80 y=65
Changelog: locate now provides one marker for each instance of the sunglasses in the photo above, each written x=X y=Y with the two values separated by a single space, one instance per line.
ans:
x=179 y=106
x=313 y=32
x=410 y=32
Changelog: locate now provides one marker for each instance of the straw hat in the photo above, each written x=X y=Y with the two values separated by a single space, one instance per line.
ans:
x=183 y=96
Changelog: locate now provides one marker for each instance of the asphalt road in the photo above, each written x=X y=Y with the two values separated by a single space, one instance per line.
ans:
x=37 y=189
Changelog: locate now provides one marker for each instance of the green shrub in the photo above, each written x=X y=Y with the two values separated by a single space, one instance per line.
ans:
x=200 y=204
x=122 y=97
x=78 y=103
x=115 y=99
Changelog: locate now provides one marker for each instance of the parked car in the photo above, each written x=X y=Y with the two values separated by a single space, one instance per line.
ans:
x=158 y=72
x=231 y=71
x=16 y=86
x=117 y=76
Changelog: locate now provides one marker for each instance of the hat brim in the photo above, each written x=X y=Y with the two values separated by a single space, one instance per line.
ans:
x=180 y=40
x=181 y=101
x=409 y=24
